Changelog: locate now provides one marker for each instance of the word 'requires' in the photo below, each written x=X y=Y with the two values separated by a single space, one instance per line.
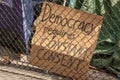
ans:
x=64 y=40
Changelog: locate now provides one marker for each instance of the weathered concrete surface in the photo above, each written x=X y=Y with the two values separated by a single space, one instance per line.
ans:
x=16 y=73
x=11 y=76
x=12 y=73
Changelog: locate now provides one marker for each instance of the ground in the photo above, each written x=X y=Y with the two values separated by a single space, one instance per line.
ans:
x=16 y=72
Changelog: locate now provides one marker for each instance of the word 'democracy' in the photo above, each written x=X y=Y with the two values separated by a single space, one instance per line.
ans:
x=64 y=40
x=63 y=21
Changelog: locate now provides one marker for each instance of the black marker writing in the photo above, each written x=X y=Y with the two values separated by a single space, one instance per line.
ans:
x=48 y=15
x=62 y=59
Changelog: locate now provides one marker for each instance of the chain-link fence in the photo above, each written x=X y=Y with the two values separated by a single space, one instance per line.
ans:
x=61 y=37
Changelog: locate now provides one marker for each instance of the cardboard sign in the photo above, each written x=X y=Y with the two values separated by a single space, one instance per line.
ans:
x=64 y=40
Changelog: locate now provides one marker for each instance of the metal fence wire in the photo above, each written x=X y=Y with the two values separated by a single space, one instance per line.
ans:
x=25 y=41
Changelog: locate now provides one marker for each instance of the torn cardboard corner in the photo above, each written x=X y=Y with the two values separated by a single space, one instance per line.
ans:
x=64 y=40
